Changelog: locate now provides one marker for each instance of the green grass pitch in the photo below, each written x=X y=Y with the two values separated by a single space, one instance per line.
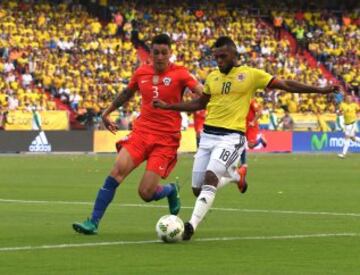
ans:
x=301 y=215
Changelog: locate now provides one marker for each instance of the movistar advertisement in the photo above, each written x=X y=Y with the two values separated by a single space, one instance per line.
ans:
x=321 y=142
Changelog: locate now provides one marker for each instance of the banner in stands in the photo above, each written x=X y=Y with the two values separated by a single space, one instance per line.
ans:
x=277 y=141
x=51 y=141
x=49 y=120
x=321 y=142
x=104 y=141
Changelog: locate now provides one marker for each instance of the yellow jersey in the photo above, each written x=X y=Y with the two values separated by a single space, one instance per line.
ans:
x=349 y=110
x=230 y=96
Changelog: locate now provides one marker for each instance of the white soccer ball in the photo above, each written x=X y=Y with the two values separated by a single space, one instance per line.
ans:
x=170 y=228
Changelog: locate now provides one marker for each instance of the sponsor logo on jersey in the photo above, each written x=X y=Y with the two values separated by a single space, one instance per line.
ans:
x=241 y=77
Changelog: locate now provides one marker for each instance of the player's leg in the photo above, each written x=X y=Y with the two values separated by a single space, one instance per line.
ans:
x=224 y=156
x=252 y=137
x=124 y=164
x=355 y=139
x=237 y=174
x=349 y=132
x=201 y=161
x=161 y=162
x=353 y=136
x=345 y=147
x=263 y=140
x=150 y=189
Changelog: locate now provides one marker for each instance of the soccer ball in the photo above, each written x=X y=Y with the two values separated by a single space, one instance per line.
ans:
x=170 y=228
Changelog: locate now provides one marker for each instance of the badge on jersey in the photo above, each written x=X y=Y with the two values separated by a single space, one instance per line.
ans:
x=167 y=81
x=155 y=80
x=241 y=77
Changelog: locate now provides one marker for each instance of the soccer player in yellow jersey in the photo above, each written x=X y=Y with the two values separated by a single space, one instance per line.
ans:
x=349 y=109
x=226 y=97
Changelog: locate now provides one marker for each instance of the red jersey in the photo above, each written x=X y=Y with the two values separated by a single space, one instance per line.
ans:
x=167 y=86
x=254 y=108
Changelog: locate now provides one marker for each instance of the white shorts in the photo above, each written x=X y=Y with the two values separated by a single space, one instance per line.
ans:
x=350 y=129
x=217 y=153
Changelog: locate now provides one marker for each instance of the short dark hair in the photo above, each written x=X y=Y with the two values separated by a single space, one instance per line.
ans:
x=161 y=39
x=224 y=41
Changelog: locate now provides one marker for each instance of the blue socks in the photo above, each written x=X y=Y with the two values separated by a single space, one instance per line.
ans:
x=107 y=192
x=162 y=191
x=103 y=199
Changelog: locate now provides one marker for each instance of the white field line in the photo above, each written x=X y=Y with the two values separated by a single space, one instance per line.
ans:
x=96 y=244
x=185 y=207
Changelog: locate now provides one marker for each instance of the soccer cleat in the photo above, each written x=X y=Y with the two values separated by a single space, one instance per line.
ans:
x=188 y=231
x=174 y=199
x=242 y=184
x=342 y=156
x=88 y=227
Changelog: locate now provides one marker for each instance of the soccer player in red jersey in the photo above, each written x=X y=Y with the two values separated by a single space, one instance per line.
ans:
x=252 y=125
x=252 y=130
x=156 y=133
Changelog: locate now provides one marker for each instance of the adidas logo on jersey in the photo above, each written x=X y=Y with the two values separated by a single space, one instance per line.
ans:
x=40 y=144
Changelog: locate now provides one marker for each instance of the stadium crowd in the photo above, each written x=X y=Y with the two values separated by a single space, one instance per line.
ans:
x=332 y=38
x=81 y=61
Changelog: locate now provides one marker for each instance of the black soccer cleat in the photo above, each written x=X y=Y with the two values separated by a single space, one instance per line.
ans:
x=188 y=231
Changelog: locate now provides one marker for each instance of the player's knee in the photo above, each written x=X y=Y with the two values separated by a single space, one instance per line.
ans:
x=119 y=177
x=146 y=194
x=196 y=191
x=211 y=178
x=118 y=173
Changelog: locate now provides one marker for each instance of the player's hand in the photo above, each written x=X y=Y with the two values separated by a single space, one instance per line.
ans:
x=252 y=123
x=157 y=103
x=110 y=125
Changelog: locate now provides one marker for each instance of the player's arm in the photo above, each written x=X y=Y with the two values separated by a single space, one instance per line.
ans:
x=298 y=87
x=198 y=89
x=190 y=106
x=119 y=100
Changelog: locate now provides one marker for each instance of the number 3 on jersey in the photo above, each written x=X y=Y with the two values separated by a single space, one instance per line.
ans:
x=155 y=91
